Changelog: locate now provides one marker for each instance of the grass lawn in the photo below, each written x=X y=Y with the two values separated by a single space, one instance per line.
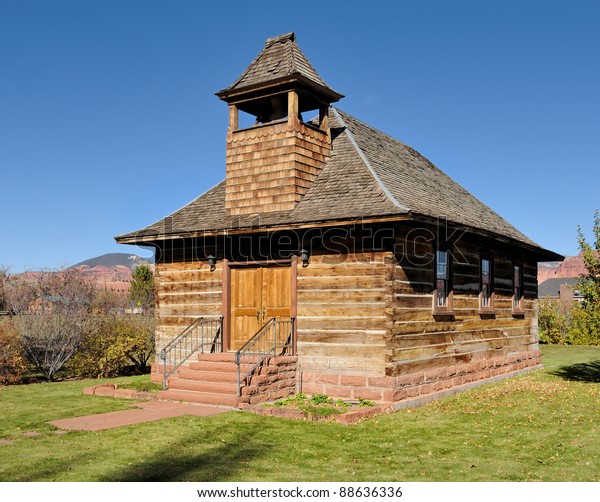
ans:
x=542 y=426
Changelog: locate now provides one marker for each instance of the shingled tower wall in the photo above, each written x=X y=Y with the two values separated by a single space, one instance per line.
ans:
x=271 y=165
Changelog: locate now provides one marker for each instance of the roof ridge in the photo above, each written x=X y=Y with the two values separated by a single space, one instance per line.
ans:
x=367 y=163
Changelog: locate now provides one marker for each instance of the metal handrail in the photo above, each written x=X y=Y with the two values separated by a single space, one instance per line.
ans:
x=274 y=338
x=203 y=332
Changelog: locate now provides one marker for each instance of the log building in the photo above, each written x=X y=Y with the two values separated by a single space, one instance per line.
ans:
x=333 y=259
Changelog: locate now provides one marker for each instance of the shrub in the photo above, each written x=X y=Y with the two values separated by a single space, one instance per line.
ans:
x=568 y=324
x=584 y=328
x=114 y=344
x=553 y=320
x=12 y=362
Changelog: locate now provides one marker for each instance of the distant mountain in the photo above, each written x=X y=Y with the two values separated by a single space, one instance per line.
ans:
x=131 y=261
x=571 y=267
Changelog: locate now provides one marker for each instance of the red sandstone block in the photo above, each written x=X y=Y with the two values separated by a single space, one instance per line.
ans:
x=307 y=377
x=412 y=392
x=105 y=391
x=259 y=398
x=387 y=395
x=371 y=394
x=385 y=382
x=399 y=395
x=443 y=373
x=125 y=393
x=337 y=391
x=437 y=386
x=417 y=379
x=285 y=360
x=430 y=376
x=354 y=381
x=309 y=388
x=325 y=378
x=256 y=380
x=404 y=380
x=89 y=391
x=426 y=388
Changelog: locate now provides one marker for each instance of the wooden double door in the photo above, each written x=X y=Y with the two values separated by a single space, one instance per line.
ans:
x=257 y=295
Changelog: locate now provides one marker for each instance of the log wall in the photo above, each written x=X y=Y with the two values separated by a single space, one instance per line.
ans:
x=369 y=330
x=185 y=291
x=344 y=316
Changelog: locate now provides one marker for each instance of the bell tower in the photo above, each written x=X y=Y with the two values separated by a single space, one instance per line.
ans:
x=271 y=164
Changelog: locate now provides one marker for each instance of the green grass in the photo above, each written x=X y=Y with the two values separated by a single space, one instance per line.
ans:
x=539 y=426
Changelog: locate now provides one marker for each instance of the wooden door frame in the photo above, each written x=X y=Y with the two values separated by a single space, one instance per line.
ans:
x=226 y=300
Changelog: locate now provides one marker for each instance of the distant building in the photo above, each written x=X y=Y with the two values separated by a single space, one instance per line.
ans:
x=564 y=288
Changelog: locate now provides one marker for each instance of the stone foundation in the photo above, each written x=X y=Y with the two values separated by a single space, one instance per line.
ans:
x=414 y=385
x=275 y=379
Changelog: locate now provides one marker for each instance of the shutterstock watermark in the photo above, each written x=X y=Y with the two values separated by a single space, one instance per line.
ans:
x=252 y=241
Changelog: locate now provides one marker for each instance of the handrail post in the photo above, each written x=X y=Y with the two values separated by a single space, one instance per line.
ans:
x=163 y=356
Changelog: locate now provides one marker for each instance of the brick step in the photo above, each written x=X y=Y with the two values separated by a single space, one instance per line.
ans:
x=208 y=376
x=218 y=357
x=189 y=396
x=217 y=366
x=227 y=388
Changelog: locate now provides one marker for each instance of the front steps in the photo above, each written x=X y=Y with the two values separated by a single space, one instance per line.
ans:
x=212 y=379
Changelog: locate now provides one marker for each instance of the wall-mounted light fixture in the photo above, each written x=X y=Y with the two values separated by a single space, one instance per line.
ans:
x=304 y=257
x=212 y=262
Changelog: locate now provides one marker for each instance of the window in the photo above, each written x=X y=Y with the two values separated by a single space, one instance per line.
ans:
x=486 y=298
x=442 y=295
x=517 y=289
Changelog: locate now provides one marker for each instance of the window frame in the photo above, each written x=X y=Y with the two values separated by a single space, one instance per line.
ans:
x=448 y=307
x=518 y=308
x=490 y=308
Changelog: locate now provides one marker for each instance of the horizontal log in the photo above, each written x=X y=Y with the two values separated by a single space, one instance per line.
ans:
x=326 y=310
x=337 y=323
x=347 y=269
x=342 y=366
x=351 y=337
x=358 y=352
x=358 y=282
x=354 y=296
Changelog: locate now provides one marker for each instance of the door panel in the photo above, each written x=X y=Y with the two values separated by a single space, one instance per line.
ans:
x=246 y=304
x=277 y=292
x=257 y=295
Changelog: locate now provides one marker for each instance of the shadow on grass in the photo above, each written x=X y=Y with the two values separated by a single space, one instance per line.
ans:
x=581 y=372
x=180 y=463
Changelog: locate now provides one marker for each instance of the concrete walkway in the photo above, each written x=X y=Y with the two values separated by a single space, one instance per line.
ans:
x=149 y=411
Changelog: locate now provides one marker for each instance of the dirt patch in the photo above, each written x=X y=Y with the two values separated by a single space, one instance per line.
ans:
x=319 y=408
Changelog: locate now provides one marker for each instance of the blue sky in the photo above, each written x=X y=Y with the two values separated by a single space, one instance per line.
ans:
x=108 y=119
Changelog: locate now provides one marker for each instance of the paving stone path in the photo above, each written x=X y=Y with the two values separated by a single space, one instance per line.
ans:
x=149 y=411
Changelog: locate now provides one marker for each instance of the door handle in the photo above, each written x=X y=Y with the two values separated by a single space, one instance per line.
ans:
x=264 y=313
x=258 y=315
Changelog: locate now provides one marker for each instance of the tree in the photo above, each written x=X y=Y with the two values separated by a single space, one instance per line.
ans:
x=589 y=284
x=4 y=278
x=52 y=311
x=142 y=288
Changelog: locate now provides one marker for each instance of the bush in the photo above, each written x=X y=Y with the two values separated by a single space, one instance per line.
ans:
x=553 y=319
x=113 y=345
x=568 y=324
x=12 y=362
x=584 y=328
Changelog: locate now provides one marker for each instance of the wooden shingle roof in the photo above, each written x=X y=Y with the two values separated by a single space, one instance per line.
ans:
x=281 y=60
x=368 y=175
